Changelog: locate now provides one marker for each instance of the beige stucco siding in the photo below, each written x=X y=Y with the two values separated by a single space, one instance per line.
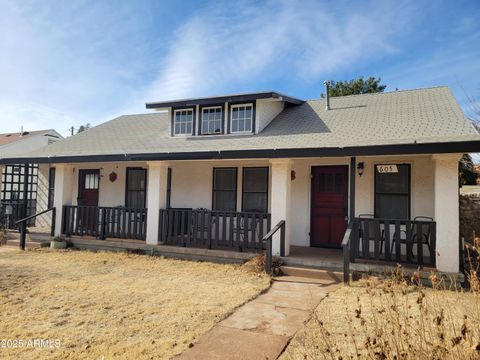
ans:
x=110 y=193
x=422 y=189
x=192 y=181
x=192 y=186
x=42 y=196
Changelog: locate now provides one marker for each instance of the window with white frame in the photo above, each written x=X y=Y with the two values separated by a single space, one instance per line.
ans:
x=183 y=122
x=241 y=118
x=212 y=119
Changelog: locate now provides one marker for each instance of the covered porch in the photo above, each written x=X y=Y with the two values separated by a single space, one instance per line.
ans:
x=233 y=204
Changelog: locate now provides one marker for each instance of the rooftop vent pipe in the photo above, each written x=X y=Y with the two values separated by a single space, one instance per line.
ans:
x=327 y=91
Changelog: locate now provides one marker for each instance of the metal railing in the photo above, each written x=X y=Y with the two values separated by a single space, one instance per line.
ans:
x=267 y=241
x=22 y=223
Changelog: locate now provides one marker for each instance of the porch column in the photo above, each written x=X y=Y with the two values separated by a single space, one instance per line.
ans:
x=156 y=197
x=280 y=203
x=63 y=193
x=447 y=212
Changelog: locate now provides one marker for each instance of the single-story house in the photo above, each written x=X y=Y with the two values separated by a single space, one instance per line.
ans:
x=12 y=177
x=220 y=172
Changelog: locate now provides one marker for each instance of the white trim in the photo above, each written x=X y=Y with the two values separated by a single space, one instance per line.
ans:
x=221 y=120
x=193 y=120
x=251 y=119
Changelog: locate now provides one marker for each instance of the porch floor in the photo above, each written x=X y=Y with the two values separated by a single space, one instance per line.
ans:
x=321 y=258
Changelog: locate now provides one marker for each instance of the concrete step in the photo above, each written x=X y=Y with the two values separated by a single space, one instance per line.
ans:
x=28 y=244
x=302 y=272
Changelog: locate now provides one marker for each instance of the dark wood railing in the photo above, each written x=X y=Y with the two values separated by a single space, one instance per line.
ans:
x=267 y=241
x=240 y=231
x=102 y=222
x=409 y=242
x=347 y=254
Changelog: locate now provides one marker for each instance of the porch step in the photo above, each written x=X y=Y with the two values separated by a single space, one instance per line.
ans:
x=35 y=237
x=28 y=244
x=309 y=273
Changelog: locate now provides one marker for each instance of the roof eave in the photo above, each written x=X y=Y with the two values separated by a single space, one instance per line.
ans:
x=222 y=99
x=370 y=150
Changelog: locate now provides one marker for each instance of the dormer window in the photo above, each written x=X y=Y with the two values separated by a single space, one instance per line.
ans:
x=212 y=120
x=241 y=118
x=183 y=122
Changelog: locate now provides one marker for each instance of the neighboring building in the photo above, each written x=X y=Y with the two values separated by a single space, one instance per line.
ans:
x=12 y=175
x=219 y=172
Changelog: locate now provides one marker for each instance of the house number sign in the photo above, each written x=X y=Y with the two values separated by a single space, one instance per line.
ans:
x=386 y=169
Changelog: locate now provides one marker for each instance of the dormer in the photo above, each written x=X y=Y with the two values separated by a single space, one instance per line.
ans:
x=240 y=114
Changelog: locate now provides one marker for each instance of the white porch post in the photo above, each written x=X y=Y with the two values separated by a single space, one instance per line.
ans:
x=63 y=193
x=280 y=201
x=156 y=197
x=447 y=212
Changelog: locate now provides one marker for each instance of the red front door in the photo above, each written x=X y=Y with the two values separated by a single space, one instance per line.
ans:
x=88 y=183
x=329 y=205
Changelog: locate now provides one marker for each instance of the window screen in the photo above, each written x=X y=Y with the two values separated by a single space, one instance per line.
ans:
x=136 y=188
x=255 y=189
x=392 y=193
x=225 y=189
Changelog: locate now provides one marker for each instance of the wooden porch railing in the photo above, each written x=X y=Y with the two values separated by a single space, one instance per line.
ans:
x=240 y=231
x=409 y=242
x=102 y=222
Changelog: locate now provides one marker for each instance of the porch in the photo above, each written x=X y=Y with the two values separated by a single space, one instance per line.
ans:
x=371 y=240
x=233 y=204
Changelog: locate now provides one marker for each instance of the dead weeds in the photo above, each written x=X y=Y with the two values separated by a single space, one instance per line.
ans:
x=392 y=319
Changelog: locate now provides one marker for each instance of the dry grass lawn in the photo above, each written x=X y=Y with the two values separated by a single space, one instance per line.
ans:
x=111 y=305
x=391 y=320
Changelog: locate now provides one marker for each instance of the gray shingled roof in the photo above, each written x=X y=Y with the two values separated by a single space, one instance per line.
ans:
x=403 y=117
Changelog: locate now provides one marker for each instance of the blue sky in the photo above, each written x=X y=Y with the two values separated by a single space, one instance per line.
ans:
x=66 y=63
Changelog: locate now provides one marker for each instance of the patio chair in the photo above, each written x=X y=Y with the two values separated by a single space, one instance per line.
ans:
x=425 y=233
x=362 y=230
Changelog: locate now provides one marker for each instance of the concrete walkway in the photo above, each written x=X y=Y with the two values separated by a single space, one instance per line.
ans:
x=262 y=328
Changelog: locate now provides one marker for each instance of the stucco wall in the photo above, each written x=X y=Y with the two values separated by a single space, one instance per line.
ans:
x=192 y=182
x=110 y=193
x=301 y=191
x=422 y=189
x=42 y=196
x=192 y=186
